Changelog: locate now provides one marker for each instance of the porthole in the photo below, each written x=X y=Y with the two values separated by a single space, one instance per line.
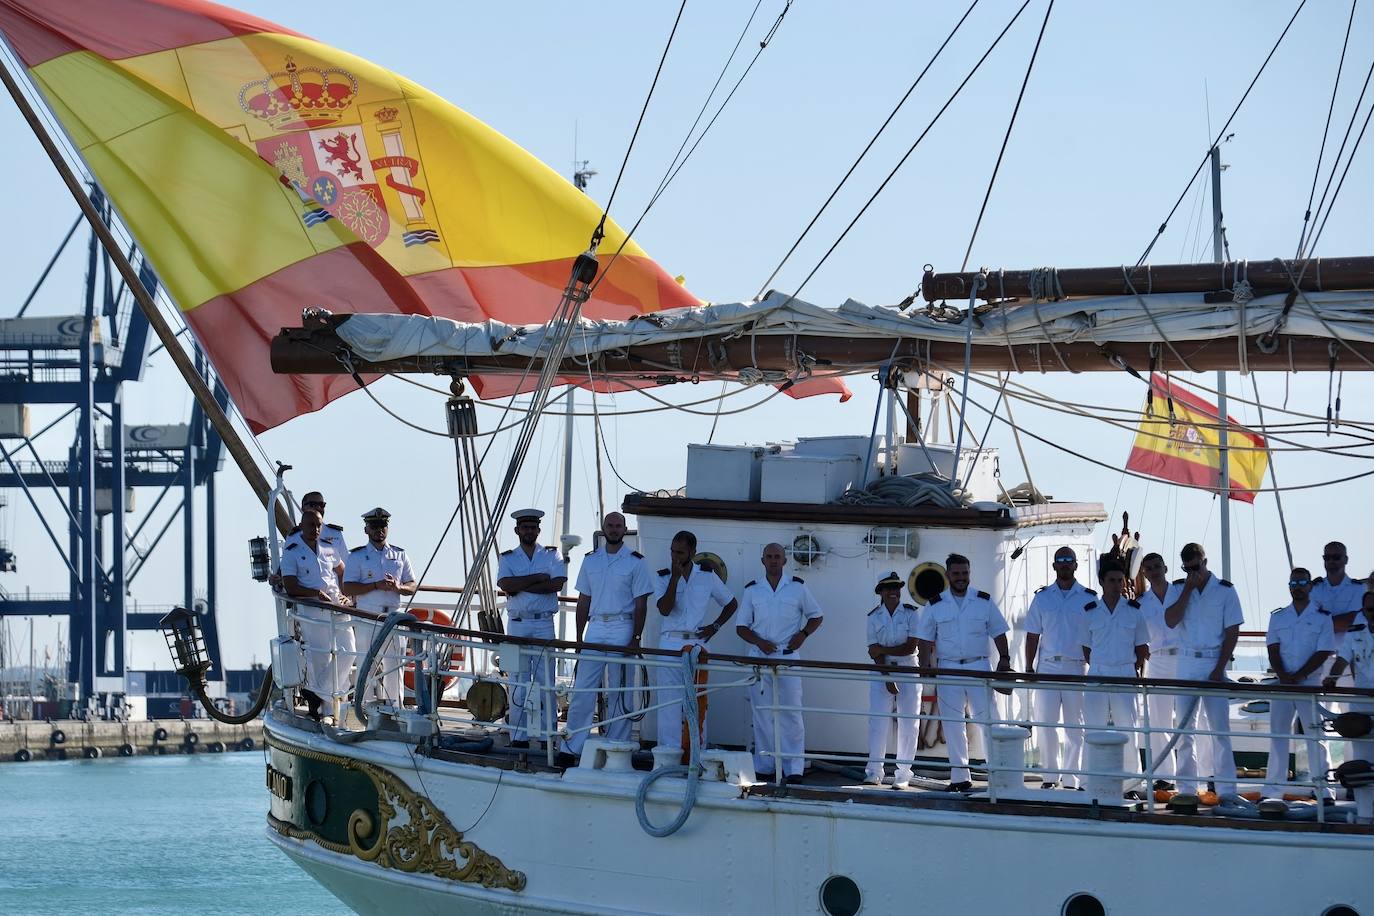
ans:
x=926 y=582
x=840 y=896
x=316 y=802
x=1083 y=905
x=1340 y=909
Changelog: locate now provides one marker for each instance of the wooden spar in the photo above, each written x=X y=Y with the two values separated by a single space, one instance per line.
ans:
x=310 y=351
x=1265 y=277
x=203 y=395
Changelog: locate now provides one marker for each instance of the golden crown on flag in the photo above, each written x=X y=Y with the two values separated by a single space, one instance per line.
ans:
x=385 y=115
x=300 y=97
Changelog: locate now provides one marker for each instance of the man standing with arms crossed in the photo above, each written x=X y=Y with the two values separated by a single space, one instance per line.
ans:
x=1208 y=615
x=776 y=617
x=953 y=634
x=532 y=576
x=891 y=636
x=1164 y=649
x=310 y=568
x=1056 y=632
x=1300 y=640
x=613 y=589
x=378 y=577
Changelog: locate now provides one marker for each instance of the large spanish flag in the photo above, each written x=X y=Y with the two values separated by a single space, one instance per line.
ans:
x=1183 y=446
x=262 y=172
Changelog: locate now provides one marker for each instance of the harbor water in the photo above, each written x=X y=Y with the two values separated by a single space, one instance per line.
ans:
x=146 y=835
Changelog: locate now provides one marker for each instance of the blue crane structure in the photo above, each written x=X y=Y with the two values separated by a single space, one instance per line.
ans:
x=84 y=361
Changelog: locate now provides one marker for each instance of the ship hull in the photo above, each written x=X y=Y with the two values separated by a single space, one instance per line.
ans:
x=574 y=841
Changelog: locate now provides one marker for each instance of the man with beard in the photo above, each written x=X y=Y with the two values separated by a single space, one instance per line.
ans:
x=310 y=568
x=532 y=576
x=1300 y=640
x=613 y=589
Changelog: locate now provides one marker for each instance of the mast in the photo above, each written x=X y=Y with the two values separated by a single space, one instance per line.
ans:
x=199 y=389
x=1223 y=433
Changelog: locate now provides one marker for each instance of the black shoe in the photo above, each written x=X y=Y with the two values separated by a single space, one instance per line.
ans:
x=1133 y=795
x=795 y=779
x=1163 y=785
x=1049 y=785
x=565 y=760
x=520 y=745
x=964 y=786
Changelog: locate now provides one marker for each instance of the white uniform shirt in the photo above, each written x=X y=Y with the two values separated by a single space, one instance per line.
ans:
x=1152 y=609
x=961 y=628
x=1056 y=615
x=777 y=615
x=368 y=564
x=1358 y=651
x=692 y=601
x=1338 y=599
x=1300 y=635
x=312 y=568
x=1114 y=634
x=1209 y=613
x=893 y=629
x=515 y=563
x=614 y=580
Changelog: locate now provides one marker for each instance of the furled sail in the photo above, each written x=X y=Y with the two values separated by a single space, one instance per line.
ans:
x=261 y=171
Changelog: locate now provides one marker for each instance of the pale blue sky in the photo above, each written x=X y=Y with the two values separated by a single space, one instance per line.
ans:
x=1115 y=120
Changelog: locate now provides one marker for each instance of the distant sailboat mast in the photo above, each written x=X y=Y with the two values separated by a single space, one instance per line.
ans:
x=1224 y=464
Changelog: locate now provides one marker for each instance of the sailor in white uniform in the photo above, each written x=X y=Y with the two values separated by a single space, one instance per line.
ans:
x=891 y=636
x=1056 y=631
x=1164 y=648
x=1117 y=646
x=378 y=577
x=310 y=568
x=613 y=585
x=1300 y=640
x=1340 y=595
x=777 y=614
x=952 y=634
x=686 y=594
x=1208 y=615
x=531 y=575
x=1357 y=653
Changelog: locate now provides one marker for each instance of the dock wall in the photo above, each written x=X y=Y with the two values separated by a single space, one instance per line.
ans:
x=72 y=739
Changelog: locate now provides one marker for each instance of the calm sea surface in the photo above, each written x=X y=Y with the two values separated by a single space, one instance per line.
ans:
x=147 y=835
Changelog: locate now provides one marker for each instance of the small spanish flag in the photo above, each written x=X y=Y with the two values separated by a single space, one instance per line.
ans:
x=1178 y=441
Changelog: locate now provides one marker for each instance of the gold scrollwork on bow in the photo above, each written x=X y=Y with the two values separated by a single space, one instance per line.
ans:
x=424 y=843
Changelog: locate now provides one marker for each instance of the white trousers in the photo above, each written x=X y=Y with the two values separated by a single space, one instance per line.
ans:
x=1212 y=713
x=671 y=684
x=1065 y=707
x=1282 y=716
x=329 y=651
x=532 y=684
x=952 y=702
x=881 y=707
x=781 y=735
x=390 y=661
x=1163 y=708
x=588 y=682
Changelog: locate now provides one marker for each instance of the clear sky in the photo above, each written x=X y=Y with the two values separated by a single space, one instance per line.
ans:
x=1115 y=119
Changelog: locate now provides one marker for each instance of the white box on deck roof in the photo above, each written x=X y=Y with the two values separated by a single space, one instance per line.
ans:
x=814 y=479
x=730 y=472
x=980 y=479
x=869 y=450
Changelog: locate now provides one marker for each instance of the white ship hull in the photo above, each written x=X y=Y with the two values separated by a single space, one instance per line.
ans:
x=575 y=840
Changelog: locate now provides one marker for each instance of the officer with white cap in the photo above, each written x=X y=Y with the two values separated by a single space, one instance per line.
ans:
x=891 y=641
x=776 y=617
x=378 y=577
x=1118 y=645
x=686 y=594
x=1056 y=632
x=953 y=633
x=532 y=576
x=613 y=584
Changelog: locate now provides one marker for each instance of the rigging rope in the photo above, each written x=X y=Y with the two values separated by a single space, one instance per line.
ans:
x=1326 y=129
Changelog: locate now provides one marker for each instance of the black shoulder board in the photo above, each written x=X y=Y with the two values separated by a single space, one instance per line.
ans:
x=506 y=553
x=1225 y=583
x=909 y=607
x=875 y=610
x=665 y=571
x=985 y=596
x=705 y=567
x=936 y=599
x=1322 y=610
x=1276 y=610
x=1133 y=603
x=637 y=554
x=1090 y=591
x=1354 y=628
x=1179 y=581
x=293 y=545
x=551 y=547
x=1090 y=605
x=799 y=579
x=1041 y=589
x=751 y=583
x=335 y=527
x=397 y=547
x=364 y=547
x=1319 y=580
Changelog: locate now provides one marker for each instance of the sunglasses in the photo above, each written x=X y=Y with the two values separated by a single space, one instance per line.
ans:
x=314 y=504
x=1298 y=583
x=1065 y=559
x=1191 y=567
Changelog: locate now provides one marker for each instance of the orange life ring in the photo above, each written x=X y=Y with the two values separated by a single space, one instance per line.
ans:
x=451 y=656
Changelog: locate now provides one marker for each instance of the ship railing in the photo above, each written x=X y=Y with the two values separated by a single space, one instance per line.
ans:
x=454 y=659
